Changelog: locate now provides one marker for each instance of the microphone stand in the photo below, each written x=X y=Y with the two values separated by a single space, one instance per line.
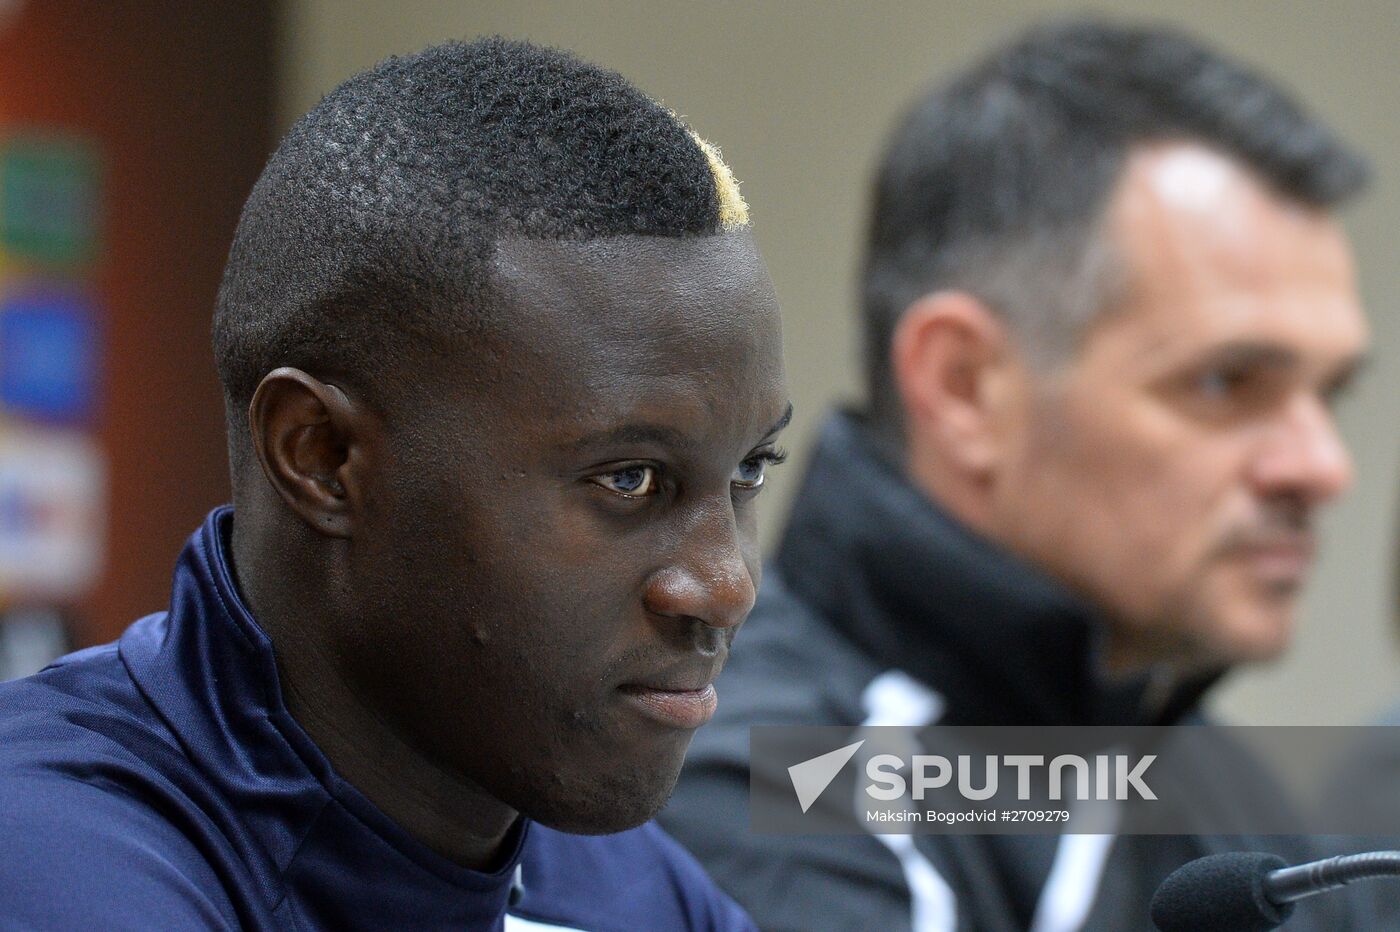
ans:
x=1290 y=884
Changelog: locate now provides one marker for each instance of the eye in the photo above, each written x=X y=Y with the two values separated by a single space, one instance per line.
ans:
x=1230 y=391
x=754 y=470
x=631 y=481
x=1220 y=384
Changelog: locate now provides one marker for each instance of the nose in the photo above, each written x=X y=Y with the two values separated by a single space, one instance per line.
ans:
x=712 y=576
x=1304 y=455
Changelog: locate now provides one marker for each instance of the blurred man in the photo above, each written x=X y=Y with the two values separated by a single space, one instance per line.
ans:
x=1107 y=308
x=503 y=374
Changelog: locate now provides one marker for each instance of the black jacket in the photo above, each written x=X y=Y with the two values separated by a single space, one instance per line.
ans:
x=879 y=607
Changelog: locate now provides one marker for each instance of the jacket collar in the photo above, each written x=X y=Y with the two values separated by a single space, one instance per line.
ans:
x=920 y=592
x=209 y=670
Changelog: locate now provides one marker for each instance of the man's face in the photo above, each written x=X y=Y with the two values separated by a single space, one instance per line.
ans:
x=1171 y=470
x=562 y=538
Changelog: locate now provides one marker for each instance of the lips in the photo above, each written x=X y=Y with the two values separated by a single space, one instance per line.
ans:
x=675 y=708
x=1281 y=563
x=1284 y=560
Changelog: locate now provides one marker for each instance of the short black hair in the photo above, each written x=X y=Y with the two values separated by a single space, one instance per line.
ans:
x=996 y=182
x=372 y=226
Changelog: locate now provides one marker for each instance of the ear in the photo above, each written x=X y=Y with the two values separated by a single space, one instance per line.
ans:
x=951 y=358
x=309 y=437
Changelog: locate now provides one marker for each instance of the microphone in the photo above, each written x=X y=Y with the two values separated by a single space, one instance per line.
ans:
x=1253 y=891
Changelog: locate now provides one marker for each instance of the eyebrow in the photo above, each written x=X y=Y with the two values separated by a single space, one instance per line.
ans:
x=782 y=422
x=1252 y=354
x=658 y=434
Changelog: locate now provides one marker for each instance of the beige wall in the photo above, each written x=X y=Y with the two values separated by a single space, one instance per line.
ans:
x=799 y=95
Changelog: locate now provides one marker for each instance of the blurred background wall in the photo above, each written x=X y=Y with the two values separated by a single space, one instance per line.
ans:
x=130 y=134
x=185 y=100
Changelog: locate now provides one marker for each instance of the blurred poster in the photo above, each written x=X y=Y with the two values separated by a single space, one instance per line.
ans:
x=48 y=354
x=30 y=639
x=48 y=200
x=53 y=473
x=52 y=515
